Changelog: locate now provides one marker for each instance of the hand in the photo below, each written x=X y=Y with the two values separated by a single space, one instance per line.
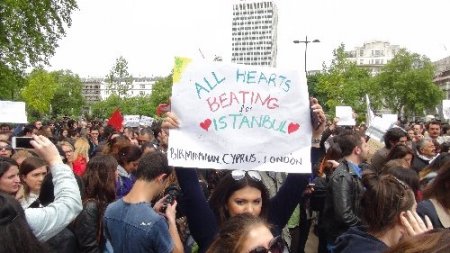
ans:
x=414 y=224
x=308 y=190
x=159 y=204
x=20 y=193
x=46 y=149
x=333 y=163
x=170 y=121
x=171 y=212
x=317 y=109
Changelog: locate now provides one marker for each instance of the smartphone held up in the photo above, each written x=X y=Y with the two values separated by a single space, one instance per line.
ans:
x=21 y=143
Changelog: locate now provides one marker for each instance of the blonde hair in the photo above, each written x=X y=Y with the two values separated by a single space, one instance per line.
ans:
x=81 y=148
x=21 y=153
x=67 y=144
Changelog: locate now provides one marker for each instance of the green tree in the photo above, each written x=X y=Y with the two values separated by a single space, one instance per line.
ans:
x=119 y=80
x=161 y=92
x=343 y=83
x=30 y=30
x=68 y=98
x=406 y=84
x=103 y=109
x=11 y=81
x=39 y=91
x=131 y=106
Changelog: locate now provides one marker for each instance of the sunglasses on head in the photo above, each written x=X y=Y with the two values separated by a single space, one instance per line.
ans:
x=276 y=245
x=240 y=174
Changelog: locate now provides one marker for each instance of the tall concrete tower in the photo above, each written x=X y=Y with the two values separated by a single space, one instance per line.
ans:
x=254 y=33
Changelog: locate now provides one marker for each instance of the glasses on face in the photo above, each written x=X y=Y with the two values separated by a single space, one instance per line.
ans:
x=240 y=174
x=7 y=147
x=276 y=245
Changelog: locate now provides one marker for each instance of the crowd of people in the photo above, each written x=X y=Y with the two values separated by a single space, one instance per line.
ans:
x=90 y=187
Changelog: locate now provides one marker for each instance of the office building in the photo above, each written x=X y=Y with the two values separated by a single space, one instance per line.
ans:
x=373 y=55
x=254 y=33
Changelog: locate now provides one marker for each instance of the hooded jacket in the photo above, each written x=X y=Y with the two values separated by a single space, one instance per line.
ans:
x=356 y=239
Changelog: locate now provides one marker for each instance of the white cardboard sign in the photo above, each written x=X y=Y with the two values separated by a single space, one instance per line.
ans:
x=239 y=117
x=345 y=115
x=446 y=109
x=131 y=120
x=13 y=112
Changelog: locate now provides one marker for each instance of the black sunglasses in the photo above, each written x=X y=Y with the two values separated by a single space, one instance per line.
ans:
x=276 y=245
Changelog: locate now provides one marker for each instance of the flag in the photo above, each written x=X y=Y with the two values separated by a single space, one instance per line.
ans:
x=162 y=108
x=370 y=115
x=116 y=120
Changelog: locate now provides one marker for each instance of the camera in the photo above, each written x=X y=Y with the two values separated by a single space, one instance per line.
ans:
x=172 y=192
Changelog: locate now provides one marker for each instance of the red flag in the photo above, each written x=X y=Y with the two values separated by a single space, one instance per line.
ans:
x=116 y=120
x=162 y=108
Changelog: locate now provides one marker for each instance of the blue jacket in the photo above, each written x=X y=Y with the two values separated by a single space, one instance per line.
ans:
x=356 y=239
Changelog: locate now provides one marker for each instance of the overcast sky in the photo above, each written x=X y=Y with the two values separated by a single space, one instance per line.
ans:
x=149 y=34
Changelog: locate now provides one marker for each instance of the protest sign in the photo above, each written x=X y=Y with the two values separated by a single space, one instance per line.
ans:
x=131 y=120
x=345 y=115
x=146 y=121
x=13 y=112
x=380 y=125
x=446 y=109
x=239 y=117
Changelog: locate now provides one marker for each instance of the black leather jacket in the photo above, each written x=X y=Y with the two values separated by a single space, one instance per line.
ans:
x=342 y=204
x=85 y=228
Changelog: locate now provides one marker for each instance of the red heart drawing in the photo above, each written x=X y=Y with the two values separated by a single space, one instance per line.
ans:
x=205 y=124
x=293 y=127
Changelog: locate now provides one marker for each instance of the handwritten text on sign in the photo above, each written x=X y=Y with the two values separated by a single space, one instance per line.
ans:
x=236 y=116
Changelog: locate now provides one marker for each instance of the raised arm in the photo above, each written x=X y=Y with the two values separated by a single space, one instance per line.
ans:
x=201 y=219
x=48 y=221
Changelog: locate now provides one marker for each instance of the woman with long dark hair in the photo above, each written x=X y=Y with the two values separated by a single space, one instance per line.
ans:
x=15 y=233
x=9 y=176
x=99 y=190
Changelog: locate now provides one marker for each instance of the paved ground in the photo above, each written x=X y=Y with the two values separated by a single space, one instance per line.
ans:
x=312 y=243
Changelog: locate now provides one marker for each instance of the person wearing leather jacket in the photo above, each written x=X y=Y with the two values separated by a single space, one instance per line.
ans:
x=342 y=204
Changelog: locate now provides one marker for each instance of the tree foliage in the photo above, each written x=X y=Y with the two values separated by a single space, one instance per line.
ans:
x=161 y=92
x=130 y=106
x=342 y=83
x=30 y=30
x=68 y=98
x=119 y=80
x=39 y=91
x=11 y=81
x=406 y=84
x=140 y=105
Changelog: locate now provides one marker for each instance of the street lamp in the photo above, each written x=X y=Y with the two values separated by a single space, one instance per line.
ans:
x=306 y=41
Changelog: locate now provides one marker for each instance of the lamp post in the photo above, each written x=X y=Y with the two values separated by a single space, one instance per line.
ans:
x=306 y=41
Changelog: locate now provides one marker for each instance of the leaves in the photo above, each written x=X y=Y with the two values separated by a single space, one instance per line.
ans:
x=343 y=83
x=119 y=80
x=406 y=84
x=39 y=91
x=30 y=30
x=68 y=98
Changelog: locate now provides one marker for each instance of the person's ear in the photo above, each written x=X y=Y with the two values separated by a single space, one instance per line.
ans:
x=161 y=178
x=357 y=150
